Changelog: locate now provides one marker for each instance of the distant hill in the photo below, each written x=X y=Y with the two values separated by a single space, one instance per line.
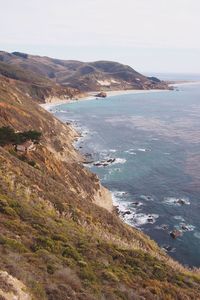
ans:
x=84 y=76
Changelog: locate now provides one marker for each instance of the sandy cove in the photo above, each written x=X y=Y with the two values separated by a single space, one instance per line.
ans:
x=92 y=96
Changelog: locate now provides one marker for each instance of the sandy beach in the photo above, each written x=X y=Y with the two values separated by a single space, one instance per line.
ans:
x=184 y=83
x=92 y=96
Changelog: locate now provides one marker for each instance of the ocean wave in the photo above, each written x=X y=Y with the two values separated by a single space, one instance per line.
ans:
x=129 y=212
x=142 y=219
x=177 y=201
x=168 y=248
x=119 y=161
x=143 y=150
x=112 y=150
x=179 y=218
x=185 y=227
x=147 y=197
x=197 y=235
x=131 y=151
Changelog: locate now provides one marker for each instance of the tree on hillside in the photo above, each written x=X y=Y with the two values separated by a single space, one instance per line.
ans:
x=9 y=136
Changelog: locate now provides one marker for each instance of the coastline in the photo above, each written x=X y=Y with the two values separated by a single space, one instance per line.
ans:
x=184 y=83
x=110 y=200
x=92 y=96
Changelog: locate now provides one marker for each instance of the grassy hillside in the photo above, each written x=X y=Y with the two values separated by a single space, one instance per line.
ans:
x=84 y=76
x=56 y=243
x=35 y=85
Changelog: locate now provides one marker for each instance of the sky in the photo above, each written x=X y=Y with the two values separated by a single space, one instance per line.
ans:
x=149 y=35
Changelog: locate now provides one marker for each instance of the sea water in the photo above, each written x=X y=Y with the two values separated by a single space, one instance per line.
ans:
x=145 y=149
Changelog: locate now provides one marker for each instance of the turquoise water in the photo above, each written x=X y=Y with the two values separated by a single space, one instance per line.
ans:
x=155 y=178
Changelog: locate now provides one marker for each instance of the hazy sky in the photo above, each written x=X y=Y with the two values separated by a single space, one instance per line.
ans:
x=150 y=35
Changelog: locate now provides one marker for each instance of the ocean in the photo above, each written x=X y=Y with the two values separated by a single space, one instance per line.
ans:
x=145 y=148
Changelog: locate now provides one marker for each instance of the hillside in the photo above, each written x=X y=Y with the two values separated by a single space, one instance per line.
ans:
x=36 y=86
x=83 y=76
x=59 y=236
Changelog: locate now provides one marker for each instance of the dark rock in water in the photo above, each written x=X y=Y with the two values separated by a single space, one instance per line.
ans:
x=136 y=203
x=184 y=227
x=88 y=162
x=165 y=227
x=181 y=201
x=175 y=233
x=105 y=164
x=150 y=219
x=127 y=212
x=168 y=248
x=97 y=164
x=101 y=95
x=111 y=160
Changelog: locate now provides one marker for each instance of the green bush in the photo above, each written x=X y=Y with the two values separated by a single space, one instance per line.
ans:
x=44 y=243
x=9 y=136
x=70 y=251
x=13 y=245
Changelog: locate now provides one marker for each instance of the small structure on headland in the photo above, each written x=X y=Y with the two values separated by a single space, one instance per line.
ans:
x=101 y=95
x=26 y=146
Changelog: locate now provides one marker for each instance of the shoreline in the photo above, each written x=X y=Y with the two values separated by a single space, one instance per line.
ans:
x=92 y=96
x=184 y=83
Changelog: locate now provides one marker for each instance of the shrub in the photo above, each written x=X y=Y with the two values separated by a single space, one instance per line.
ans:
x=70 y=251
x=9 y=136
x=44 y=243
x=14 y=245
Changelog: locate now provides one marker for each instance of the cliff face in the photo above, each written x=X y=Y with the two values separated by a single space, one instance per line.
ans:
x=58 y=237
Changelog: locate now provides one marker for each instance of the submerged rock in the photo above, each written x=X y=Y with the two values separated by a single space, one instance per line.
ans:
x=168 y=248
x=164 y=226
x=175 y=233
x=150 y=219
x=127 y=212
x=105 y=163
x=181 y=201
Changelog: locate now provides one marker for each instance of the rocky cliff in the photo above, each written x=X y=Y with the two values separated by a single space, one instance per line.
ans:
x=59 y=238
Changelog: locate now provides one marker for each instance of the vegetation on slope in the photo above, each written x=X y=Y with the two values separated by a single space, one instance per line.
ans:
x=84 y=76
x=8 y=136
x=34 y=84
x=55 y=239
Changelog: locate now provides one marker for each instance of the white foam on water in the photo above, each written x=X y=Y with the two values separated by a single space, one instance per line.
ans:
x=197 y=234
x=168 y=248
x=136 y=204
x=179 y=218
x=147 y=197
x=112 y=150
x=162 y=227
x=188 y=227
x=142 y=149
x=119 y=161
x=177 y=201
x=131 y=151
x=142 y=219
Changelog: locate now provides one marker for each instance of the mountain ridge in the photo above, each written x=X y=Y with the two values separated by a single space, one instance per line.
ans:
x=83 y=76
